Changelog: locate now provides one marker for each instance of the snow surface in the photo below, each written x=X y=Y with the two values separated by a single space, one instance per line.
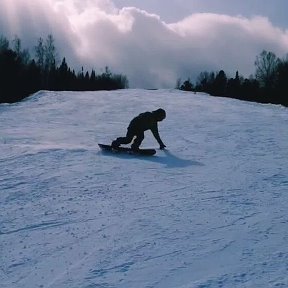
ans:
x=211 y=211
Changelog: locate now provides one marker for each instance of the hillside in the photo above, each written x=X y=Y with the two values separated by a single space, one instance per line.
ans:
x=210 y=211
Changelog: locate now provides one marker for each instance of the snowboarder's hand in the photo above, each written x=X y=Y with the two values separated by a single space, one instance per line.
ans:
x=162 y=146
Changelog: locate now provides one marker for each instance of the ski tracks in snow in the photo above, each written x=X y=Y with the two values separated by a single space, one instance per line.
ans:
x=209 y=212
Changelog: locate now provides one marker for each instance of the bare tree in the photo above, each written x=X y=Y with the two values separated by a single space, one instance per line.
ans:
x=266 y=68
x=40 y=53
x=23 y=55
x=50 y=53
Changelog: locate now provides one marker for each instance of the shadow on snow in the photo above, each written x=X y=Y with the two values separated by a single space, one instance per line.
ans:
x=169 y=159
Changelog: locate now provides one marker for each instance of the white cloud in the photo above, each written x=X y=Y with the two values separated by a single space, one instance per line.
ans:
x=34 y=19
x=152 y=53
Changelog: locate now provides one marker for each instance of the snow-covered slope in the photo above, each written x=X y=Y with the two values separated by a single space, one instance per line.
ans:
x=211 y=211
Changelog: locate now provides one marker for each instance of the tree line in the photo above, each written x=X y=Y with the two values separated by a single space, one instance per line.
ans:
x=268 y=85
x=21 y=75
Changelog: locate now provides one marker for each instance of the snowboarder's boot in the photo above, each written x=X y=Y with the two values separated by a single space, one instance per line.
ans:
x=115 y=144
x=134 y=147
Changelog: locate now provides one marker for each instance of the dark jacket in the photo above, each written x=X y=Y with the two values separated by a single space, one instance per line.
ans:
x=146 y=121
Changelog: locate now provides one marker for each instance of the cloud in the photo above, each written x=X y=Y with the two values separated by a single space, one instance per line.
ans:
x=30 y=20
x=152 y=53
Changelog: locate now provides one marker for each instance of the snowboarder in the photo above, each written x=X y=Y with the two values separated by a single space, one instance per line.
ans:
x=144 y=121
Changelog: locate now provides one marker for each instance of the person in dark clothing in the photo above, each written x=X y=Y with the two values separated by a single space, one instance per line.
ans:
x=144 y=121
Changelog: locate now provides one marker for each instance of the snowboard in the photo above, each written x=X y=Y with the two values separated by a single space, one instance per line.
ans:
x=128 y=150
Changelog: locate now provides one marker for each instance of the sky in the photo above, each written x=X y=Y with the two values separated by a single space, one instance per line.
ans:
x=152 y=42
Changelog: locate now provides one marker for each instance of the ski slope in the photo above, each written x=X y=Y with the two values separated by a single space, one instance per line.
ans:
x=210 y=211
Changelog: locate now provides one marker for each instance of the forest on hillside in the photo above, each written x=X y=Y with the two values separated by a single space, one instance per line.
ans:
x=268 y=85
x=21 y=75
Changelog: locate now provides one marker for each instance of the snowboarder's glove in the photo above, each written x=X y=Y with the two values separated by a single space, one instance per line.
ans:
x=162 y=146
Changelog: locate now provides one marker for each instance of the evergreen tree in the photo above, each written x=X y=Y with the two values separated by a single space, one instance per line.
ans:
x=20 y=76
x=4 y=44
x=220 y=84
x=187 y=85
x=282 y=81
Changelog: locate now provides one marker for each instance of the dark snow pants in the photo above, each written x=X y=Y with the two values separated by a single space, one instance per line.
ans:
x=131 y=133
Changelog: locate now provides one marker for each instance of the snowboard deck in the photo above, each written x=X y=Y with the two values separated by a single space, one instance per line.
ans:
x=128 y=150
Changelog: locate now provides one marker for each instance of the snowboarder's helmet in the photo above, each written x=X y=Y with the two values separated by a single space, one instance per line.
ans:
x=160 y=113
